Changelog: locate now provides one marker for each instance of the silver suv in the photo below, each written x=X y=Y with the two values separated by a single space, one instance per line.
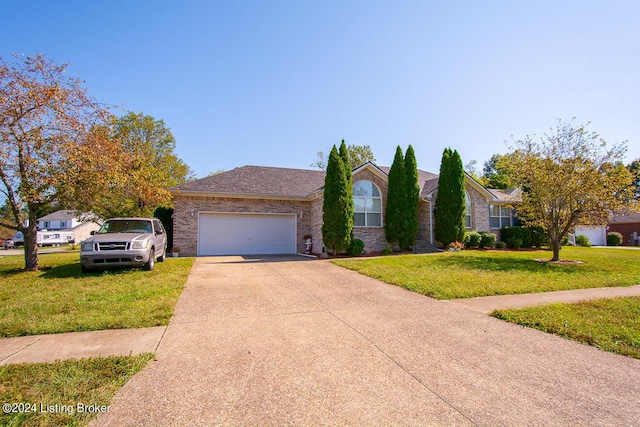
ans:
x=136 y=242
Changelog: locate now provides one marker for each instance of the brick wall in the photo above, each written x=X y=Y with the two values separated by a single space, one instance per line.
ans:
x=187 y=208
x=627 y=232
x=373 y=237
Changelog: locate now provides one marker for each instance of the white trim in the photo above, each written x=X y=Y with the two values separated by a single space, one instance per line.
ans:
x=373 y=168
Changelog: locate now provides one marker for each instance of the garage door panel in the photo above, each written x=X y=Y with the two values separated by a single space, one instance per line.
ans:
x=246 y=234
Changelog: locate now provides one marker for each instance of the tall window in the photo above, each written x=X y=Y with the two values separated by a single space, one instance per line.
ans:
x=499 y=216
x=467 y=210
x=367 y=203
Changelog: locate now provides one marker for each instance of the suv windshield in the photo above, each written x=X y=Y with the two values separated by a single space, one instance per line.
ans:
x=126 y=226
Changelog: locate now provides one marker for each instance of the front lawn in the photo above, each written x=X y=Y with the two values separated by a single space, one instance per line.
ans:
x=482 y=273
x=609 y=324
x=63 y=393
x=60 y=298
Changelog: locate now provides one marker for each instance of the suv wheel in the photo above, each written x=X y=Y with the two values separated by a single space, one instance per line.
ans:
x=152 y=259
x=162 y=257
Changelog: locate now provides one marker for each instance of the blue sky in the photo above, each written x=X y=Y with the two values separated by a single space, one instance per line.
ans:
x=273 y=82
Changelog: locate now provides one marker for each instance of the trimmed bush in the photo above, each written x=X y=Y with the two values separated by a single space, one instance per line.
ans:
x=356 y=247
x=514 y=243
x=582 y=240
x=471 y=239
x=487 y=239
x=516 y=232
x=501 y=245
x=387 y=251
x=538 y=236
x=614 y=238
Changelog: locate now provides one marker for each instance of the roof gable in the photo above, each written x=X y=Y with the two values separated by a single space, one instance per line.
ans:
x=61 y=215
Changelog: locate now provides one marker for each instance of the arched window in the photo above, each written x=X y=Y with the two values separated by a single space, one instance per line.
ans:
x=467 y=210
x=367 y=203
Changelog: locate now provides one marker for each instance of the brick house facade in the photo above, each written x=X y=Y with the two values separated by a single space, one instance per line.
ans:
x=291 y=199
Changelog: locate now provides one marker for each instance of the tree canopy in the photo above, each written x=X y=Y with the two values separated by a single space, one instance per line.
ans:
x=55 y=143
x=495 y=172
x=148 y=167
x=634 y=168
x=569 y=176
x=358 y=155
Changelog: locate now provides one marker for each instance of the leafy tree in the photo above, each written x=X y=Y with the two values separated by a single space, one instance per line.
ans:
x=634 y=168
x=358 y=155
x=569 y=177
x=149 y=167
x=494 y=173
x=395 y=221
x=408 y=237
x=450 y=200
x=471 y=169
x=337 y=206
x=54 y=143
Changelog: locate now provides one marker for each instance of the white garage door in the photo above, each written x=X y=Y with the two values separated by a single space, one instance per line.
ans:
x=246 y=234
x=597 y=234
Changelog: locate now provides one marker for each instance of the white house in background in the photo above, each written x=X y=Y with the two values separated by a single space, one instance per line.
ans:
x=81 y=225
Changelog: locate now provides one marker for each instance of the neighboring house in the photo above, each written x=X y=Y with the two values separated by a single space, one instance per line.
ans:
x=267 y=210
x=628 y=226
x=597 y=234
x=67 y=220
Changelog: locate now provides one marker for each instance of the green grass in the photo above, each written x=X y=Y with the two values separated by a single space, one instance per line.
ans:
x=482 y=273
x=42 y=386
x=62 y=299
x=609 y=324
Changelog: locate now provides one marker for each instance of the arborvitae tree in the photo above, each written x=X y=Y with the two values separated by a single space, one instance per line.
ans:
x=337 y=206
x=346 y=162
x=408 y=237
x=450 y=200
x=395 y=212
x=344 y=156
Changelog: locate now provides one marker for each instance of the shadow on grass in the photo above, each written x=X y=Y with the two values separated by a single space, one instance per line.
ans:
x=73 y=270
x=506 y=264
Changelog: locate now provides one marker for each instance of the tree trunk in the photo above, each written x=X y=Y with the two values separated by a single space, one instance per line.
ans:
x=556 y=244
x=31 y=243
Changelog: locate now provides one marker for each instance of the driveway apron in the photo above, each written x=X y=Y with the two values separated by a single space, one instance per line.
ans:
x=286 y=341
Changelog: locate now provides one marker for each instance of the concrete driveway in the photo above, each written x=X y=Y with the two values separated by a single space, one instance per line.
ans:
x=303 y=342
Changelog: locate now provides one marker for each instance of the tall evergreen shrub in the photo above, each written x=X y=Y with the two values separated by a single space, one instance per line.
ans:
x=408 y=237
x=395 y=222
x=450 y=200
x=337 y=206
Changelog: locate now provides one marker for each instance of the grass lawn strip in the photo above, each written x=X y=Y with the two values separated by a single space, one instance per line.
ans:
x=64 y=393
x=62 y=299
x=469 y=274
x=609 y=324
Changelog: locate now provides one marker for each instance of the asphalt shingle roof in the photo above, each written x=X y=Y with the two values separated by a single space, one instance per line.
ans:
x=284 y=182
x=258 y=180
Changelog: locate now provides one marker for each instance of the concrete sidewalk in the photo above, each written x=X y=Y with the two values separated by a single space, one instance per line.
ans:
x=310 y=343
x=78 y=345
x=489 y=304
